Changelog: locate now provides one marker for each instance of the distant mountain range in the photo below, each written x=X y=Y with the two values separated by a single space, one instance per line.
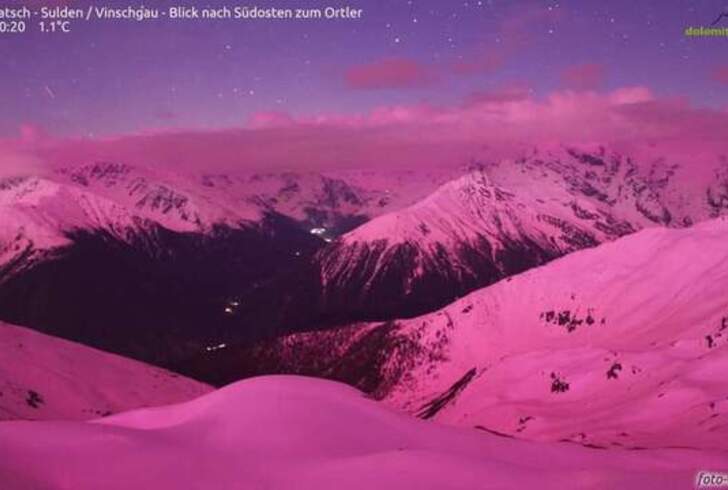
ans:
x=176 y=269
x=502 y=219
x=152 y=264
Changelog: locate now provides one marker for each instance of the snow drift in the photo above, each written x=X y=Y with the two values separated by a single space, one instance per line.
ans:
x=287 y=432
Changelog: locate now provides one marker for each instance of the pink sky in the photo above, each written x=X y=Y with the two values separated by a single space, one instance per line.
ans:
x=489 y=124
x=389 y=73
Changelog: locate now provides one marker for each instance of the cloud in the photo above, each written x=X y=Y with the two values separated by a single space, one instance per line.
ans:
x=30 y=134
x=487 y=125
x=587 y=76
x=389 y=73
x=511 y=93
x=18 y=156
x=513 y=35
x=720 y=74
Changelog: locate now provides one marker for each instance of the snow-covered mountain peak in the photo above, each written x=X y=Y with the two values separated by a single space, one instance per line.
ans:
x=470 y=232
x=177 y=202
x=28 y=191
x=39 y=215
x=474 y=189
x=474 y=206
x=646 y=192
x=107 y=173
x=63 y=208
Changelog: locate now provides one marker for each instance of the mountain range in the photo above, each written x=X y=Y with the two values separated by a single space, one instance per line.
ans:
x=543 y=307
x=502 y=219
x=135 y=260
x=622 y=345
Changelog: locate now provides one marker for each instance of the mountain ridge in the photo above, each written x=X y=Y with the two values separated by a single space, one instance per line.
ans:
x=47 y=378
x=626 y=337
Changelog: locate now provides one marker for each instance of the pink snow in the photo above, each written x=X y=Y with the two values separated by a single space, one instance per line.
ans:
x=300 y=433
x=652 y=306
x=73 y=381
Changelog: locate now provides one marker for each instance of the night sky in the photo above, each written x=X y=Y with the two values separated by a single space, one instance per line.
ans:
x=106 y=79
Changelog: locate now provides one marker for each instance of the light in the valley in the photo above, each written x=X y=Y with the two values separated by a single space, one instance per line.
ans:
x=322 y=233
x=213 y=348
x=231 y=307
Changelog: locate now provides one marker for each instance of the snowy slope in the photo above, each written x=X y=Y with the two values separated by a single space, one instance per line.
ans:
x=648 y=192
x=469 y=233
x=284 y=433
x=39 y=213
x=46 y=378
x=506 y=217
x=57 y=207
x=624 y=344
x=24 y=240
x=175 y=201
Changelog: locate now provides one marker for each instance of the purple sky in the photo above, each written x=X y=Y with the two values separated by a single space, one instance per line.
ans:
x=126 y=77
x=110 y=79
